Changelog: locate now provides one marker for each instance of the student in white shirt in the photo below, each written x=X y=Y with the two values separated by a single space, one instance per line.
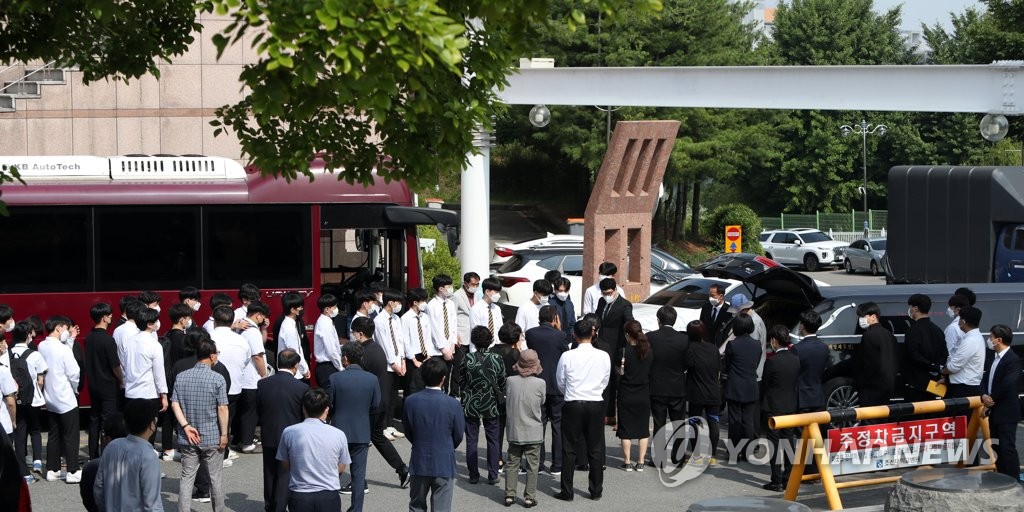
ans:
x=216 y=300
x=389 y=334
x=418 y=343
x=235 y=354
x=966 y=362
x=528 y=315
x=150 y=299
x=128 y=329
x=444 y=322
x=247 y=293
x=8 y=407
x=953 y=332
x=60 y=391
x=144 y=370
x=326 y=345
x=29 y=414
x=365 y=300
x=486 y=312
x=248 y=414
x=288 y=333
x=190 y=297
x=592 y=295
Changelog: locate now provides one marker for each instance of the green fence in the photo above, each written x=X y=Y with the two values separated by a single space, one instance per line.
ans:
x=849 y=221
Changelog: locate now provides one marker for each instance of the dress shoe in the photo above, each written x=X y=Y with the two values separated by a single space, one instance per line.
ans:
x=474 y=480
x=773 y=487
x=562 y=496
x=403 y=478
x=595 y=497
x=492 y=481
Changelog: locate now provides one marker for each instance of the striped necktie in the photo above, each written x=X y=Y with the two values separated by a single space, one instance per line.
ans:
x=419 y=329
x=391 y=327
x=490 y=320
x=444 y=309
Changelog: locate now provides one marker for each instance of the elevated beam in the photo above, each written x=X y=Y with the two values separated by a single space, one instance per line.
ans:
x=969 y=88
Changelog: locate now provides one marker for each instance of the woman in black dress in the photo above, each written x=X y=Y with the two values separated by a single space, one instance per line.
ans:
x=508 y=349
x=703 y=390
x=634 y=397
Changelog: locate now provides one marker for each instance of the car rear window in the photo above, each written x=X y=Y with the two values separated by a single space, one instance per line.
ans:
x=764 y=237
x=688 y=293
x=512 y=264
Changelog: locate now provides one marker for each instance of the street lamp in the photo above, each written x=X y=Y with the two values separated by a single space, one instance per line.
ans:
x=864 y=129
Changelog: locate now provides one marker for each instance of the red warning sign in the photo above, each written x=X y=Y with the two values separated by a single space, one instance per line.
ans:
x=733 y=239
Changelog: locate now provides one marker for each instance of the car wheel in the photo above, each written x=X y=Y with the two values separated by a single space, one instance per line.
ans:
x=840 y=393
x=811 y=262
x=849 y=266
x=874 y=268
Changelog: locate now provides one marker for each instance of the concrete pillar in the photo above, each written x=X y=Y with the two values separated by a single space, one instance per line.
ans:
x=475 y=234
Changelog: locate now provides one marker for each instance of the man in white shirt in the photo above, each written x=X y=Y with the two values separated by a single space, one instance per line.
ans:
x=953 y=332
x=528 y=315
x=288 y=336
x=60 y=391
x=582 y=376
x=216 y=300
x=365 y=300
x=247 y=416
x=326 y=344
x=8 y=410
x=247 y=293
x=128 y=329
x=966 y=361
x=486 y=312
x=235 y=354
x=418 y=343
x=592 y=295
x=145 y=374
x=444 y=322
x=389 y=334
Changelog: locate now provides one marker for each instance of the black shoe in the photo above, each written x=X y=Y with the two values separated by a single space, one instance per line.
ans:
x=583 y=467
x=562 y=496
x=403 y=478
x=595 y=497
x=492 y=481
x=347 y=490
x=773 y=487
x=474 y=480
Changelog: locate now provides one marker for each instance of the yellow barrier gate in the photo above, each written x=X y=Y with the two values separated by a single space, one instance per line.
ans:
x=812 y=438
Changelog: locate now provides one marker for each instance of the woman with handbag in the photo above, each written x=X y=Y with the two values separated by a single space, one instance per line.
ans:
x=634 y=396
x=481 y=377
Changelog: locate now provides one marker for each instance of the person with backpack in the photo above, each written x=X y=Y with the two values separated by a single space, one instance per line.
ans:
x=29 y=370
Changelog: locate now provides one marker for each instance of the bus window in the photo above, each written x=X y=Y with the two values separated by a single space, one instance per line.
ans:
x=269 y=244
x=46 y=249
x=146 y=247
x=340 y=251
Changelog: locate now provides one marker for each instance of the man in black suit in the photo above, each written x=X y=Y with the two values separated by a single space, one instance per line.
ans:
x=814 y=360
x=875 y=359
x=715 y=313
x=279 y=405
x=550 y=341
x=780 y=380
x=742 y=356
x=926 y=351
x=668 y=370
x=614 y=311
x=354 y=393
x=1002 y=381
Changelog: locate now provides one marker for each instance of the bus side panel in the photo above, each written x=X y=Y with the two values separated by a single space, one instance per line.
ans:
x=414 y=265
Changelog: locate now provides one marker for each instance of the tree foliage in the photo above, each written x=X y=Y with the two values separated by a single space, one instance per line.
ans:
x=731 y=215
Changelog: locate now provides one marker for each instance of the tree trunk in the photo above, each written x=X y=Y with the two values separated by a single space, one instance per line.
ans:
x=695 y=210
x=679 y=219
x=659 y=218
x=664 y=210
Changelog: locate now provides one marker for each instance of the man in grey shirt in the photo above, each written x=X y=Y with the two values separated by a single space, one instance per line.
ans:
x=525 y=397
x=200 y=405
x=315 y=453
x=129 y=474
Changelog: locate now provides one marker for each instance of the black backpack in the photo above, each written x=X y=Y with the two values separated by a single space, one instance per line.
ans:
x=19 y=370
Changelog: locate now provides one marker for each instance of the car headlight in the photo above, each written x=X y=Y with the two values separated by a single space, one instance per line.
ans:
x=840 y=250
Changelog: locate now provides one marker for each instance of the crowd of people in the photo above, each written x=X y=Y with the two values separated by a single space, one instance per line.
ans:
x=459 y=367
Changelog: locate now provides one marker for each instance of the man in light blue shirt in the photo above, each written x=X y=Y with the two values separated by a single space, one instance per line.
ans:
x=315 y=453
x=129 y=474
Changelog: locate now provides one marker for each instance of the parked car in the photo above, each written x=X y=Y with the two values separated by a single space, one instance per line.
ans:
x=803 y=246
x=502 y=252
x=866 y=255
x=687 y=296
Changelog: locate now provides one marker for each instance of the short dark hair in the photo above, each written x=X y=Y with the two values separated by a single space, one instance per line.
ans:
x=742 y=324
x=314 y=402
x=220 y=299
x=509 y=333
x=189 y=292
x=248 y=292
x=551 y=276
x=607 y=283
x=178 y=311
x=440 y=281
x=607 y=268
x=353 y=352
x=1002 y=332
x=364 y=296
x=145 y=317
x=560 y=282
x=288 y=359
x=491 y=284
x=469 y=276
x=547 y=314
x=959 y=301
x=290 y=301
x=868 y=309
x=193 y=337
x=481 y=337
x=205 y=348
x=542 y=286
x=124 y=302
x=139 y=414
x=256 y=307
x=416 y=295
x=114 y=426
x=718 y=287
x=325 y=301
x=100 y=310
x=972 y=298
x=594 y=320
x=391 y=295
x=148 y=297
x=971 y=316
x=667 y=316
x=433 y=371
x=695 y=330
x=780 y=334
x=920 y=301
x=21 y=331
x=5 y=312
x=364 y=326
x=133 y=308
x=811 y=321
x=223 y=316
x=56 y=321
x=584 y=328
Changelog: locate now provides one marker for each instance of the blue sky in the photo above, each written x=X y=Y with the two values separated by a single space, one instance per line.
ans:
x=916 y=12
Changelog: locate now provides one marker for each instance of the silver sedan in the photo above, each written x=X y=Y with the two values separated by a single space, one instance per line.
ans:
x=865 y=254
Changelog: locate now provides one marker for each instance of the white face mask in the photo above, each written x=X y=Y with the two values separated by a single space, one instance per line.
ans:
x=156 y=326
x=195 y=305
x=471 y=290
x=447 y=292
x=188 y=323
x=65 y=336
x=714 y=302
x=991 y=346
x=863 y=322
x=397 y=309
x=10 y=325
x=950 y=313
x=910 y=312
x=562 y=296
x=157 y=308
x=492 y=297
x=609 y=298
x=333 y=313
x=543 y=301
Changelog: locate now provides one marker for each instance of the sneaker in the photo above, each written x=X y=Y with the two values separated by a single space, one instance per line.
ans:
x=638 y=468
x=522 y=471
x=232 y=455
x=249 y=448
x=74 y=478
x=556 y=474
x=227 y=463
x=397 y=434
x=201 y=498
x=712 y=461
x=347 y=490
x=29 y=479
x=168 y=455
x=626 y=467
x=37 y=466
x=52 y=476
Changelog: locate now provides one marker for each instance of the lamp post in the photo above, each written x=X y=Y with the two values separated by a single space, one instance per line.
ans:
x=864 y=129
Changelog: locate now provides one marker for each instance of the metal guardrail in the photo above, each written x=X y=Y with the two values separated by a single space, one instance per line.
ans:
x=24 y=78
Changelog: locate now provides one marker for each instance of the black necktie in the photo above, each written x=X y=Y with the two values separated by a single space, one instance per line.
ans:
x=714 y=314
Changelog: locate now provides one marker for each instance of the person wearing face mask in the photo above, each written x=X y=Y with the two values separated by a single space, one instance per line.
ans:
x=925 y=350
x=389 y=333
x=6 y=326
x=444 y=322
x=875 y=358
x=614 y=311
x=190 y=297
x=592 y=296
x=102 y=372
x=966 y=361
x=174 y=351
x=150 y=299
x=527 y=317
x=564 y=307
x=418 y=343
x=326 y=343
x=60 y=391
x=244 y=429
x=486 y=312
x=952 y=332
x=144 y=371
x=290 y=331
x=28 y=409
x=999 y=395
x=715 y=313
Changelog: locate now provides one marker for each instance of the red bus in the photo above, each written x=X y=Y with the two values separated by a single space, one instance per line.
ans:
x=86 y=229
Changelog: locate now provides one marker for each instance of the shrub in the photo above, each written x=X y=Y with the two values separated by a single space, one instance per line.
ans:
x=714 y=224
x=438 y=261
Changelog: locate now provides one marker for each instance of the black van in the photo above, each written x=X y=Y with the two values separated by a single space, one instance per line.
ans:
x=787 y=293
